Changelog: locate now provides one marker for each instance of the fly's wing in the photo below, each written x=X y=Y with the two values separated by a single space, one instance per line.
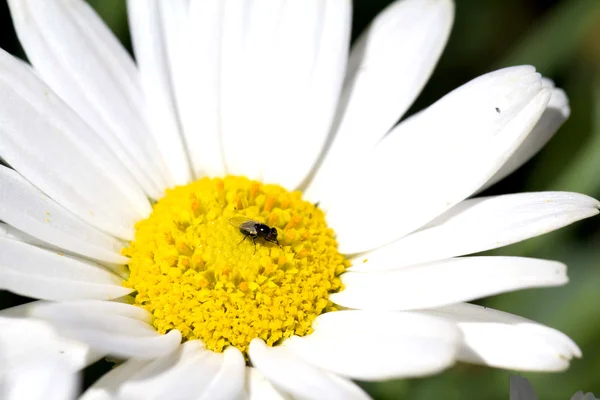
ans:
x=245 y=224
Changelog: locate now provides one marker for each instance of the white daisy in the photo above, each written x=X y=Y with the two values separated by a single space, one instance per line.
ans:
x=266 y=90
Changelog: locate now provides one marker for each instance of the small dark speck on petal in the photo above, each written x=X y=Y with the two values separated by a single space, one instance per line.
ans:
x=497 y=110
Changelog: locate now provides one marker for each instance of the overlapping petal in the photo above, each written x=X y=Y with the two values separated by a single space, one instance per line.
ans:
x=385 y=345
x=280 y=62
x=503 y=340
x=53 y=148
x=446 y=282
x=190 y=372
x=24 y=340
x=298 y=378
x=156 y=32
x=258 y=387
x=42 y=378
x=117 y=329
x=25 y=207
x=81 y=60
x=481 y=224
x=435 y=159
x=556 y=113
x=31 y=271
x=380 y=84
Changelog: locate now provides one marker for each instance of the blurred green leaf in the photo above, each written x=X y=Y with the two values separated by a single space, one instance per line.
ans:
x=114 y=14
x=554 y=41
x=581 y=175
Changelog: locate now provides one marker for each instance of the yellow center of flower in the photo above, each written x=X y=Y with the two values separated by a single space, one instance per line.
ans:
x=196 y=270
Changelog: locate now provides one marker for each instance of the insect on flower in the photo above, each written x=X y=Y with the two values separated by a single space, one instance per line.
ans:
x=255 y=230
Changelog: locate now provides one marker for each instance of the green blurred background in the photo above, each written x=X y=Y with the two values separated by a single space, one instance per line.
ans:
x=562 y=39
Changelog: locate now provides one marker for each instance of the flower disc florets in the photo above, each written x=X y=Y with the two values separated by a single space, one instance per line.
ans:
x=193 y=271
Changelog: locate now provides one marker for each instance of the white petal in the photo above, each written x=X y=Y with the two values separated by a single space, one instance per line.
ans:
x=435 y=159
x=81 y=60
x=389 y=65
x=521 y=389
x=175 y=15
x=156 y=41
x=117 y=329
x=446 y=282
x=13 y=233
x=556 y=113
x=259 y=388
x=28 y=209
x=23 y=340
x=229 y=382
x=9 y=232
x=278 y=61
x=508 y=341
x=108 y=386
x=198 y=86
x=43 y=274
x=43 y=378
x=294 y=375
x=481 y=224
x=377 y=346
x=47 y=143
x=148 y=379
x=187 y=372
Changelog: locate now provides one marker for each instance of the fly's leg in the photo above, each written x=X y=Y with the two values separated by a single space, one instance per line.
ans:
x=245 y=236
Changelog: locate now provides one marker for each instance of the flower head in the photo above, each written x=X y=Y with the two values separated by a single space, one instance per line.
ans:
x=239 y=213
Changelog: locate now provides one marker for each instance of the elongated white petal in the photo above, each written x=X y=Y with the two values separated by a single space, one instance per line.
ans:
x=54 y=149
x=187 y=372
x=446 y=282
x=42 y=378
x=28 y=209
x=481 y=224
x=435 y=159
x=155 y=32
x=108 y=386
x=23 y=340
x=230 y=380
x=81 y=60
x=10 y=232
x=43 y=274
x=297 y=377
x=191 y=372
x=377 y=346
x=280 y=59
x=508 y=341
x=381 y=83
x=175 y=16
x=92 y=306
x=556 y=113
x=259 y=388
x=117 y=329
x=197 y=82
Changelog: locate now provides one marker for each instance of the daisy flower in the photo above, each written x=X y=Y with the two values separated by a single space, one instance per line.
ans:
x=237 y=214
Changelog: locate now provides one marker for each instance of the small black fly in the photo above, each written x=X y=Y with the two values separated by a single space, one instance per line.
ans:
x=255 y=230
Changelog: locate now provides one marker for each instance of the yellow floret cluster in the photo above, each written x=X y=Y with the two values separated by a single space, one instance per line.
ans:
x=192 y=271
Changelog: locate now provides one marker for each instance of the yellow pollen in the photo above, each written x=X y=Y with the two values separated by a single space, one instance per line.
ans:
x=195 y=272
